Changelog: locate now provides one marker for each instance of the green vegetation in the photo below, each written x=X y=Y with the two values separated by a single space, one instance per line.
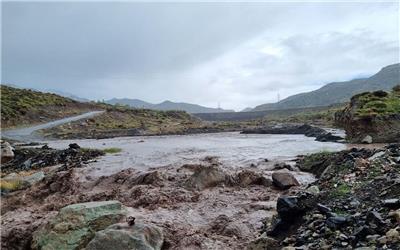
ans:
x=15 y=102
x=323 y=117
x=25 y=107
x=341 y=189
x=111 y=150
x=125 y=121
x=378 y=103
x=10 y=185
x=310 y=161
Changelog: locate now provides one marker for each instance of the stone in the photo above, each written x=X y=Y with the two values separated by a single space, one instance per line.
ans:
x=206 y=177
x=392 y=203
x=383 y=240
x=362 y=232
x=284 y=180
x=323 y=209
x=263 y=242
x=375 y=218
x=395 y=214
x=282 y=165
x=151 y=178
x=75 y=225
x=336 y=221
x=287 y=207
x=355 y=203
x=7 y=152
x=376 y=155
x=313 y=190
x=393 y=235
x=367 y=139
x=247 y=177
x=23 y=181
x=74 y=146
x=123 y=236
x=373 y=237
x=328 y=137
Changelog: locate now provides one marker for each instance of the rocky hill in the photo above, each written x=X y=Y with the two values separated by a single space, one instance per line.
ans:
x=372 y=117
x=339 y=92
x=21 y=107
x=166 y=105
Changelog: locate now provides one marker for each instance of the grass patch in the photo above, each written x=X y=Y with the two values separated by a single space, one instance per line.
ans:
x=112 y=150
x=10 y=185
x=342 y=189
x=378 y=103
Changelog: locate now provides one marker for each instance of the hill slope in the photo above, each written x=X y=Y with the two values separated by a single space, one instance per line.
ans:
x=166 y=105
x=339 y=92
x=21 y=107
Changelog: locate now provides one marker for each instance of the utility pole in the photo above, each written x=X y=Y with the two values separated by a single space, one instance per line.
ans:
x=219 y=105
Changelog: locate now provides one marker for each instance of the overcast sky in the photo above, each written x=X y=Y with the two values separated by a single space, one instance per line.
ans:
x=234 y=53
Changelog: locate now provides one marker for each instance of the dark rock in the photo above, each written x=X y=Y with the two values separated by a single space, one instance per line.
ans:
x=284 y=180
x=328 y=137
x=74 y=146
x=288 y=207
x=305 y=129
x=336 y=221
x=323 y=209
x=392 y=203
x=282 y=165
x=375 y=218
x=362 y=232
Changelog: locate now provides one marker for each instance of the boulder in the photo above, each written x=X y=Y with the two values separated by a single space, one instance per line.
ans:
x=328 y=137
x=75 y=225
x=206 y=177
x=124 y=237
x=264 y=242
x=284 y=180
x=7 y=152
x=367 y=139
x=13 y=182
x=247 y=177
x=151 y=178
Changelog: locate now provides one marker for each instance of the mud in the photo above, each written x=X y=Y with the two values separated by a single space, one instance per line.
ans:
x=224 y=216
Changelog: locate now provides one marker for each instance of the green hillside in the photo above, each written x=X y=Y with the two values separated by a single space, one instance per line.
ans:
x=21 y=107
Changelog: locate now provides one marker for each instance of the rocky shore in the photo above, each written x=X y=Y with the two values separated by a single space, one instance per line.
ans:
x=198 y=206
x=372 y=117
x=302 y=129
x=353 y=205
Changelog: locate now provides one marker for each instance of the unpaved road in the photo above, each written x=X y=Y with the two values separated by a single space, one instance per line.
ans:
x=28 y=133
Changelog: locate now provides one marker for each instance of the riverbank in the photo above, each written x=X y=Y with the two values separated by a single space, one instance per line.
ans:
x=204 y=191
x=354 y=204
x=207 y=201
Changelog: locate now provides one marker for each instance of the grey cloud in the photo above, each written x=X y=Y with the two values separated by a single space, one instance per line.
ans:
x=194 y=51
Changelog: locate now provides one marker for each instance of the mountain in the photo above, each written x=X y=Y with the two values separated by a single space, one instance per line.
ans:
x=135 y=103
x=68 y=95
x=248 y=109
x=167 y=105
x=339 y=92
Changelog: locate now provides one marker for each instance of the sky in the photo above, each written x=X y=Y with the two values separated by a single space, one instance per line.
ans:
x=236 y=54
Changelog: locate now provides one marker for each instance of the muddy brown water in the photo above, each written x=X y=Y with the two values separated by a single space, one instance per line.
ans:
x=221 y=217
x=233 y=150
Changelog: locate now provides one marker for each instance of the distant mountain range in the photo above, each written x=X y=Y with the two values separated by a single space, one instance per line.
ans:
x=339 y=92
x=167 y=105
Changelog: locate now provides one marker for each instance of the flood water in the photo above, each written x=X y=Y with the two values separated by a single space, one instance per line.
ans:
x=232 y=148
